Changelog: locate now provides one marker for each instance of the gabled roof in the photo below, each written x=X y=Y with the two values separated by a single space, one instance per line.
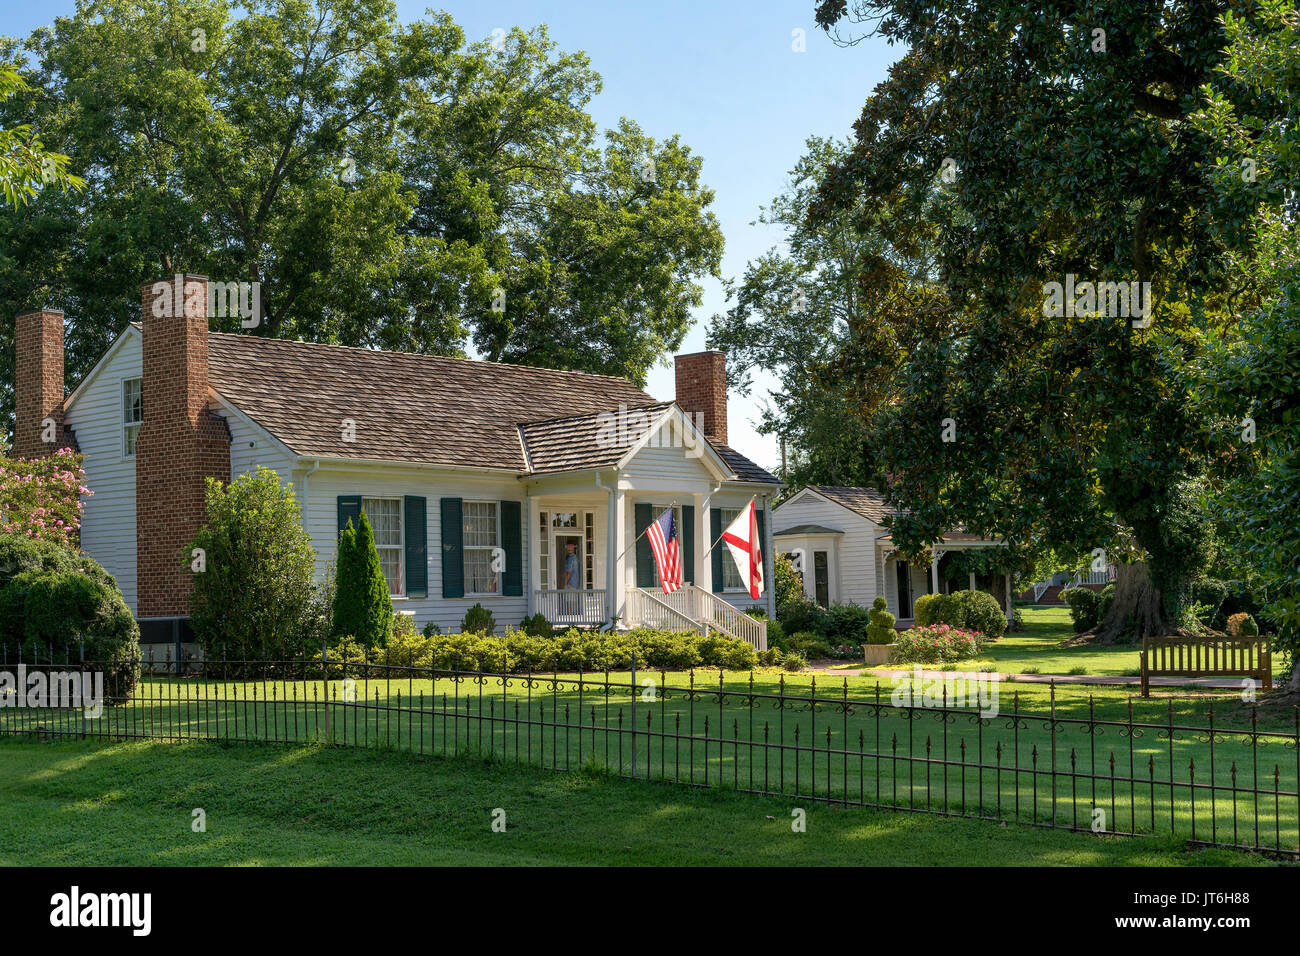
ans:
x=866 y=502
x=416 y=408
x=425 y=409
x=585 y=441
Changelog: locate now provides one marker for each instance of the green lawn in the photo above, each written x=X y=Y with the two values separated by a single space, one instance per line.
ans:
x=131 y=804
x=1037 y=650
x=850 y=745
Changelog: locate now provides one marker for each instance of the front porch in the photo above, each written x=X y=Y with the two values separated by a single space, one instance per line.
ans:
x=905 y=581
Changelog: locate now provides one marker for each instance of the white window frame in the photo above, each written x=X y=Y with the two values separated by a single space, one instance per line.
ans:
x=126 y=425
x=400 y=593
x=465 y=549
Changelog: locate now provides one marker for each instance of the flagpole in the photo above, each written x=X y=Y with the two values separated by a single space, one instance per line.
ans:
x=643 y=531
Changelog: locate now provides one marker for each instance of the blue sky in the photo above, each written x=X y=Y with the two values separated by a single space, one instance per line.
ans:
x=721 y=74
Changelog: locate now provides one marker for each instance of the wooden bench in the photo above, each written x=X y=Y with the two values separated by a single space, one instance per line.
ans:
x=1206 y=657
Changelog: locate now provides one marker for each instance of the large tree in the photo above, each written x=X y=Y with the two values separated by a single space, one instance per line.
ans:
x=1061 y=135
x=388 y=185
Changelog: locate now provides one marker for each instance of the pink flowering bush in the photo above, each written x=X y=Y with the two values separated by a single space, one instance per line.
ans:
x=41 y=497
x=937 y=644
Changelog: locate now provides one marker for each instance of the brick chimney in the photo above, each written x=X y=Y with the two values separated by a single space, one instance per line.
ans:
x=181 y=442
x=702 y=390
x=38 y=383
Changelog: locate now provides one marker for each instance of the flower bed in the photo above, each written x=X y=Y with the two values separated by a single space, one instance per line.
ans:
x=937 y=644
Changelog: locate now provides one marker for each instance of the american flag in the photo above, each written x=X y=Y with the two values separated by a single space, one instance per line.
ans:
x=668 y=559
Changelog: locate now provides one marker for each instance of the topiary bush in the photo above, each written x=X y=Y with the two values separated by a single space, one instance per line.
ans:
x=1085 y=605
x=881 y=629
x=478 y=620
x=938 y=609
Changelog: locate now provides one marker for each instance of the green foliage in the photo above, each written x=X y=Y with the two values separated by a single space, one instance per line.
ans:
x=478 y=620
x=255 y=597
x=1242 y=625
x=1106 y=599
x=517 y=652
x=363 y=608
x=536 y=626
x=881 y=629
x=807 y=644
x=847 y=624
x=55 y=601
x=936 y=644
x=805 y=616
x=1085 y=607
x=403 y=172
x=25 y=165
x=981 y=612
x=937 y=609
x=788 y=584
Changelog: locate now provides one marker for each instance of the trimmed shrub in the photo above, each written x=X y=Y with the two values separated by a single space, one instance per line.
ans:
x=519 y=653
x=255 y=599
x=478 y=620
x=808 y=644
x=363 y=608
x=981 y=612
x=1085 y=605
x=938 y=609
x=881 y=629
x=537 y=626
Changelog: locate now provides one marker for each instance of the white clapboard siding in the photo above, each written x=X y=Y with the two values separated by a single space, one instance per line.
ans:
x=858 y=572
x=324 y=487
x=108 y=521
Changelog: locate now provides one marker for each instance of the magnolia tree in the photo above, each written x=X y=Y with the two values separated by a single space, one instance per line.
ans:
x=41 y=497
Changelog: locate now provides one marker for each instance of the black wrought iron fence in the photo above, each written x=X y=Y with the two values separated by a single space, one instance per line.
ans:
x=1081 y=764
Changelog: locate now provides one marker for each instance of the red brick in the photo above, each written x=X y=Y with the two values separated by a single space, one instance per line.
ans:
x=38 y=382
x=701 y=380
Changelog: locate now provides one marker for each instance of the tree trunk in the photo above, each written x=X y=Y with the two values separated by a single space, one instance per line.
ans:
x=1137 y=601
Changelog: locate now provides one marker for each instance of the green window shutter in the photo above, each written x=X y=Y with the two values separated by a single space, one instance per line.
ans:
x=645 y=559
x=715 y=516
x=760 y=518
x=417 y=547
x=349 y=510
x=453 y=561
x=687 y=535
x=512 y=542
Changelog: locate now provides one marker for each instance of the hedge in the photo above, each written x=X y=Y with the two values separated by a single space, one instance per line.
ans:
x=517 y=652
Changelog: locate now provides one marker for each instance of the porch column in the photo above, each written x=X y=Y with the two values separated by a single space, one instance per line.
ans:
x=972 y=581
x=934 y=572
x=614 y=579
x=529 y=536
x=702 y=542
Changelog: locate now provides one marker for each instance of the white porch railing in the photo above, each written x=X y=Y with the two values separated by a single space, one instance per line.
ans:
x=703 y=610
x=573 y=607
x=647 y=609
x=1040 y=588
x=1090 y=577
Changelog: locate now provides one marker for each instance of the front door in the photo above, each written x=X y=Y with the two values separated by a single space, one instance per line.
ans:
x=821 y=578
x=568 y=557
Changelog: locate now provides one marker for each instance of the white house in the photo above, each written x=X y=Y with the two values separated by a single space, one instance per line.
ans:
x=479 y=479
x=847 y=556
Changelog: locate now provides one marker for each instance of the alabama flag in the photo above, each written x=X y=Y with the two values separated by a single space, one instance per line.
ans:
x=742 y=540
